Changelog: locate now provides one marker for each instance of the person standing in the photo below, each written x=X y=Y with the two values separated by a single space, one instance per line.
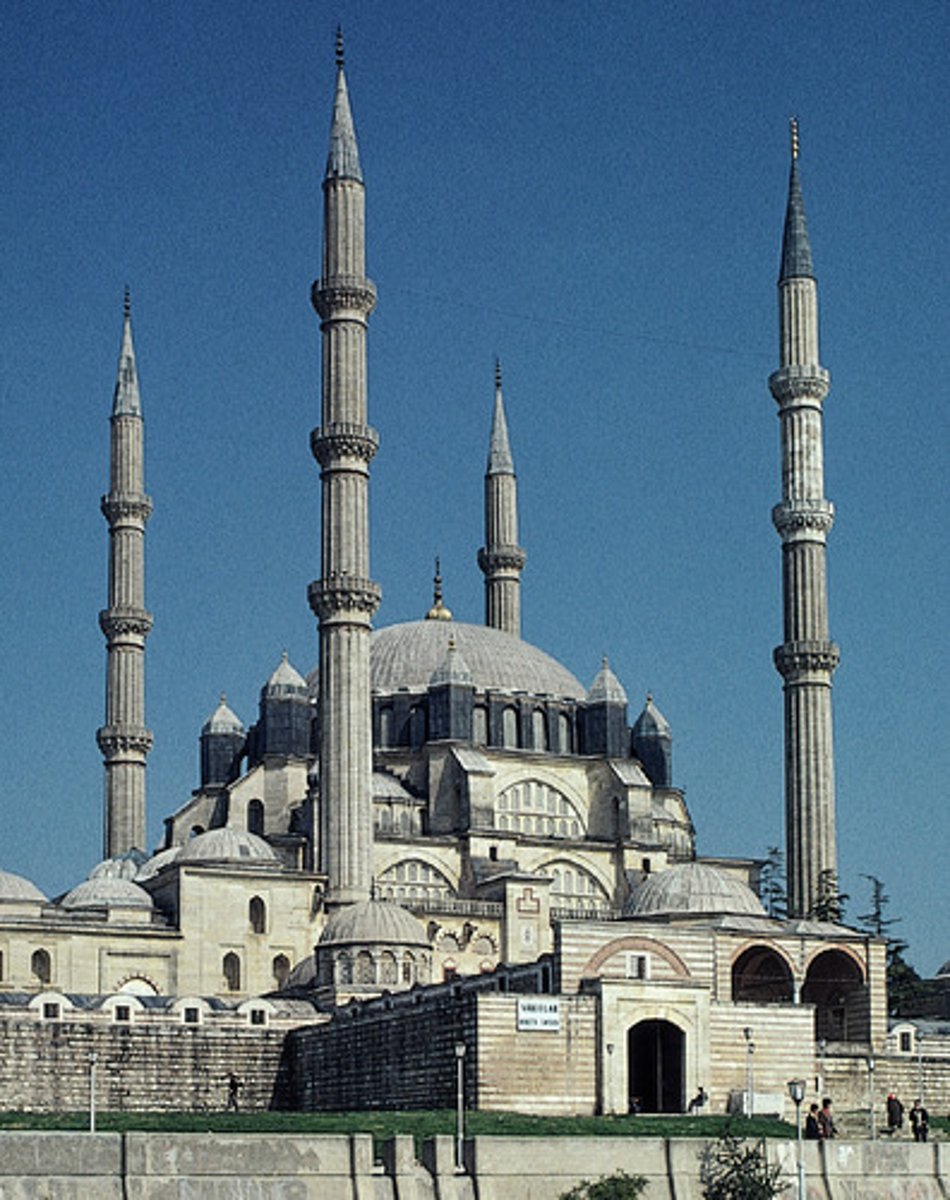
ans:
x=234 y=1086
x=895 y=1113
x=919 y=1122
x=812 y=1130
x=826 y=1122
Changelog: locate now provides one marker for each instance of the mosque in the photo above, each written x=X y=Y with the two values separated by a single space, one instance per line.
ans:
x=440 y=831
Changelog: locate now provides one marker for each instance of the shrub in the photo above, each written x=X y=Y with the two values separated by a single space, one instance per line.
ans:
x=619 y=1186
x=733 y=1169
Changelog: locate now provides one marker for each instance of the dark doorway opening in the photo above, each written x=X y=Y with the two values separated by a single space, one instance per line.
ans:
x=655 y=1066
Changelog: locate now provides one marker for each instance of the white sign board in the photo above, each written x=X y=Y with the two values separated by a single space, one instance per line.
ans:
x=535 y=1013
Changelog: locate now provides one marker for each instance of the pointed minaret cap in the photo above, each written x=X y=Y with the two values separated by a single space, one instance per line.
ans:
x=452 y=669
x=500 y=461
x=126 y=401
x=223 y=719
x=796 y=248
x=286 y=678
x=438 y=611
x=606 y=686
x=651 y=722
x=343 y=161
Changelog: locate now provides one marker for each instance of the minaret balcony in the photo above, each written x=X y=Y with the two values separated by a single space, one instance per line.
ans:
x=803 y=520
x=122 y=741
x=501 y=558
x=129 y=509
x=339 y=296
x=334 y=598
x=806 y=662
x=340 y=440
x=800 y=385
x=119 y=624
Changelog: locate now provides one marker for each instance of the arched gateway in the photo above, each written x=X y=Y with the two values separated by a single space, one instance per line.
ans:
x=656 y=1056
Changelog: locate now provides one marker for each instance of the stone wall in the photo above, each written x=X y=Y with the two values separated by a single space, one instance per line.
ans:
x=155 y=1166
x=846 y=1081
x=45 y=1067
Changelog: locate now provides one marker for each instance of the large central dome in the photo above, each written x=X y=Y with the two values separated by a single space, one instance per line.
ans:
x=405 y=656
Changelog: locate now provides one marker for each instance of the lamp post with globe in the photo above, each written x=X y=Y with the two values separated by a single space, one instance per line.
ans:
x=796 y=1090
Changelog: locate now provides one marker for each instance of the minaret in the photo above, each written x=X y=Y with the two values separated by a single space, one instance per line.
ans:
x=344 y=598
x=501 y=558
x=123 y=739
x=806 y=660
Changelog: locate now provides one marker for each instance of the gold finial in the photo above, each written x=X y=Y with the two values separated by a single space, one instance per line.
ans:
x=793 y=126
x=438 y=611
x=339 y=45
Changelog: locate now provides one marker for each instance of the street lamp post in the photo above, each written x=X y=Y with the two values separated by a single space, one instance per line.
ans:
x=871 y=1065
x=920 y=1066
x=93 y=1059
x=459 y=1103
x=796 y=1089
x=749 y=1074
x=822 y=1046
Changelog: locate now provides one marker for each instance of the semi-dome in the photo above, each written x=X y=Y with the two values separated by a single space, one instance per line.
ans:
x=106 y=891
x=151 y=867
x=407 y=655
x=373 y=923
x=227 y=845
x=693 y=889
x=15 y=887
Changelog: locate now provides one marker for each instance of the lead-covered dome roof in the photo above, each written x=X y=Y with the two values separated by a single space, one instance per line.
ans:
x=106 y=891
x=373 y=922
x=407 y=656
x=15 y=887
x=226 y=845
x=693 y=889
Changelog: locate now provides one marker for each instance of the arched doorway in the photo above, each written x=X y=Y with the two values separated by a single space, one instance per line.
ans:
x=834 y=983
x=656 y=1055
x=760 y=975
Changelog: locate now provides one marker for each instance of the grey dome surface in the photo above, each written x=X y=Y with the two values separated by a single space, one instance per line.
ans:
x=151 y=867
x=15 y=887
x=107 y=891
x=226 y=845
x=224 y=719
x=122 y=866
x=606 y=687
x=651 y=722
x=286 y=680
x=944 y=971
x=388 y=787
x=373 y=923
x=408 y=655
x=693 y=888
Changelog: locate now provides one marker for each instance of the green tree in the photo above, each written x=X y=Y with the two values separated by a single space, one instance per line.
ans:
x=904 y=985
x=830 y=901
x=733 y=1169
x=619 y=1186
x=772 y=889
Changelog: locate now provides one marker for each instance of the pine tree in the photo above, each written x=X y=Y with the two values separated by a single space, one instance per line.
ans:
x=830 y=901
x=772 y=890
x=903 y=982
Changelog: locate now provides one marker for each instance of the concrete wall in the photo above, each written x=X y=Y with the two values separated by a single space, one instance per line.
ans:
x=152 y=1166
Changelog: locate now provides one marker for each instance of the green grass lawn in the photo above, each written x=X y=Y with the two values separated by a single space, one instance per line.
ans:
x=420 y=1125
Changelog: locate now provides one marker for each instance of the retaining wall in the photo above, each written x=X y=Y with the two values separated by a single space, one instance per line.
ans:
x=154 y=1166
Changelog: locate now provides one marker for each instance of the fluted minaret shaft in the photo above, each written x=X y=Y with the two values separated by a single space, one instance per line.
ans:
x=123 y=739
x=501 y=558
x=344 y=598
x=807 y=658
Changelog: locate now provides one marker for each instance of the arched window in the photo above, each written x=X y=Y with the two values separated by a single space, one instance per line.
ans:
x=257 y=914
x=231 y=968
x=760 y=975
x=564 y=734
x=509 y=728
x=409 y=969
x=40 y=966
x=364 y=967
x=1 y=964
x=255 y=817
x=479 y=725
x=539 y=730
x=280 y=969
x=385 y=727
x=417 y=725
x=387 y=967
x=344 y=968
x=195 y=830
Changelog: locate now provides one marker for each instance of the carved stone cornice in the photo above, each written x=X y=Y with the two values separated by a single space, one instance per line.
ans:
x=343 y=294
x=501 y=558
x=794 y=518
x=117 y=740
x=794 y=660
x=342 y=439
x=792 y=385
x=134 y=507
x=340 y=594
x=123 y=622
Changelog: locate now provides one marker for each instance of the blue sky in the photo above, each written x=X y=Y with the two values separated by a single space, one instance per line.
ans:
x=596 y=196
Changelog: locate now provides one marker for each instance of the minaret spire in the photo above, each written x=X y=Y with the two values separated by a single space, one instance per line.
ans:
x=123 y=739
x=344 y=598
x=501 y=558
x=807 y=658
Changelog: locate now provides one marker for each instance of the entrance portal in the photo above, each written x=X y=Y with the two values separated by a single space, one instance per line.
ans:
x=655 y=1062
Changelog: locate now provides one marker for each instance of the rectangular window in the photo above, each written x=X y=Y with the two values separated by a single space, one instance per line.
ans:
x=190 y=1016
x=50 y=1012
x=123 y=1013
x=258 y=1016
x=638 y=966
x=906 y=1043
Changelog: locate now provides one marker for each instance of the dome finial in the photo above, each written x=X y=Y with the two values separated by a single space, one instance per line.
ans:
x=339 y=46
x=497 y=372
x=793 y=129
x=127 y=303
x=438 y=611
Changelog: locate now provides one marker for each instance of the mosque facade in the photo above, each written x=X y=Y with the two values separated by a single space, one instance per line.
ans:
x=440 y=809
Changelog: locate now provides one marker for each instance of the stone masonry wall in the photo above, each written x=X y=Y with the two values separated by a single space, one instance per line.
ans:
x=44 y=1066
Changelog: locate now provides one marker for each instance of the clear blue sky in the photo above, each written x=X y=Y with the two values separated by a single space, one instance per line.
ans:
x=595 y=194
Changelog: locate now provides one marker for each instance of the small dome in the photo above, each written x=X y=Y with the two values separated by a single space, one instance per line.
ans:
x=227 y=845
x=223 y=720
x=606 y=687
x=15 y=887
x=690 y=889
x=107 y=891
x=285 y=681
x=151 y=867
x=651 y=722
x=122 y=866
x=373 y=923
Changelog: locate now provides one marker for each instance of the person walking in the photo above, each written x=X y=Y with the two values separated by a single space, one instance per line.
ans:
x=812 y=1130
x=919 y=1122
x=895 y=1113
x=234 y=1086
x=827 y=1128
